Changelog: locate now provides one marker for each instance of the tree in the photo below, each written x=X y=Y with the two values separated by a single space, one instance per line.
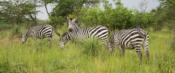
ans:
x=65 y=8
x=17 y=11
x=116 y=18
x=165 y=15
x=45 y=3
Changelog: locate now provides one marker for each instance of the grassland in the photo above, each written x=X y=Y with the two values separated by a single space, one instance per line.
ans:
x=84 y=57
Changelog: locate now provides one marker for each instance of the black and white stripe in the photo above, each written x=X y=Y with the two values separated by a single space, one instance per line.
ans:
x=135 y=38
x=39 y=31
x=99 y=32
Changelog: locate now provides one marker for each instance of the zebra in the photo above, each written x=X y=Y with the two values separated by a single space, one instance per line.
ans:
x=99 y=32
x=135 y=38
x=39 y=32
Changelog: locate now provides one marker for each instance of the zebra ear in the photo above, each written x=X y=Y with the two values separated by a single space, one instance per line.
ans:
x=75 y=20
x=69 y=19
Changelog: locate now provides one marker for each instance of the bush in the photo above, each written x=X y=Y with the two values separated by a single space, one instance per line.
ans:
x=90 y=46
x=118 y=18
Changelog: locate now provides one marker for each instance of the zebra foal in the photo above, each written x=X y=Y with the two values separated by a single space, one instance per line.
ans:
x=135 y=38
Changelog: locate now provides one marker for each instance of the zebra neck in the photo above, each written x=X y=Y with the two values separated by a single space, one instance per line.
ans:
x=76 y=28
x=68 y=37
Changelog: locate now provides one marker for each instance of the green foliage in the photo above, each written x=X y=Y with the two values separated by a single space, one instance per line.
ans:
x=117 y=18
x=164 y=15
x=16 y=12
x=90 y=46
x=169 y=7
x=65 y=8
x=57 y=21
x=90 y=17
x=48 y=1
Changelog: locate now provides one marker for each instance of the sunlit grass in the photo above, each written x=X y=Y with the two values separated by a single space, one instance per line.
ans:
x=88 y=56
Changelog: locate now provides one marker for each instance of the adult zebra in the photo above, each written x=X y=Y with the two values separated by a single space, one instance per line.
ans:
x=135 y=38
x=99 y=32
x=40 y=32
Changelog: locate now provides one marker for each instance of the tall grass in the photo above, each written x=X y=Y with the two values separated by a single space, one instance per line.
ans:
x=89 y=56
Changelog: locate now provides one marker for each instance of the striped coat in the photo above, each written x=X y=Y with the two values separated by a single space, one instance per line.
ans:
x=39 y=31
x=135 y=38
x=99 y=32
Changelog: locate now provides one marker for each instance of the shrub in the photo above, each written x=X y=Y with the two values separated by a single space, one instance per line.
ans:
x=90 y=46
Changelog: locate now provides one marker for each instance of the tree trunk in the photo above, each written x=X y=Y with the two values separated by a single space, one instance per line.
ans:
x=33 y=19
x=45 y=5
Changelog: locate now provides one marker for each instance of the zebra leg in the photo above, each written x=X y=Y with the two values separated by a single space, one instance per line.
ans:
x=146 y=48
x=110 y=47
x=122 y=51
x=50 y=41
x=111 y=50
x=139 y=52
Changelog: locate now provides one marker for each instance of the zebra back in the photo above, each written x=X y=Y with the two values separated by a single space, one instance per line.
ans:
x=125 y=37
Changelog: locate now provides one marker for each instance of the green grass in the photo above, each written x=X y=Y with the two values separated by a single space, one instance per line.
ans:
x=83 y=57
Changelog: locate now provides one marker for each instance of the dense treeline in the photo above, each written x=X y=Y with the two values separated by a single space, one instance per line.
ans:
x=115 y=18
x=88 y=13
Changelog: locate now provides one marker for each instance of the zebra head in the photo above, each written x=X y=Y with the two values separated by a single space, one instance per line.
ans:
x=24 y=37
x=72 y=24
x=64 y=39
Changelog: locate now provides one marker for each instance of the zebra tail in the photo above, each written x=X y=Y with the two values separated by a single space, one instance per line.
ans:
x=111 y=42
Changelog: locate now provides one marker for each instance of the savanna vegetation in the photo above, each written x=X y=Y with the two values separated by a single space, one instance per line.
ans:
x=89 y=56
